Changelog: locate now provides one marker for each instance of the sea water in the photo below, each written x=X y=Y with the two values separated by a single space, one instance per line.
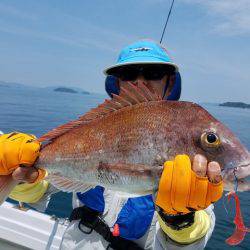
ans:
x=35 y=111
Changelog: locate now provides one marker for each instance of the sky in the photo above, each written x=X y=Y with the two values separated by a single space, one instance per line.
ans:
x=70 y=43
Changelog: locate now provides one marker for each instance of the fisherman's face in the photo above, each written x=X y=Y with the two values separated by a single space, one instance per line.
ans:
x=157 y=85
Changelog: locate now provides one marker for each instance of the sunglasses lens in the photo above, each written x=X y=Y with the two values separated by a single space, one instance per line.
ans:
x=154 y=72
x=129 y=74
x=126 y=73
x=149 y=72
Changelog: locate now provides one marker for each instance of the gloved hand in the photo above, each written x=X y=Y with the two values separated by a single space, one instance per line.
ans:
x=183 y=189
x=18 y=149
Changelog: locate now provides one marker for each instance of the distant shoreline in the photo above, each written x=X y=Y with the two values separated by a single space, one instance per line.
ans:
x=72 y=90
x=65 y=90
x=235 y=105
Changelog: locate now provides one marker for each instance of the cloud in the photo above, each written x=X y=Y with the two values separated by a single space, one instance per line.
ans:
x=230 y=17
x=96 y=35
x=76 y=31
x=14 y=12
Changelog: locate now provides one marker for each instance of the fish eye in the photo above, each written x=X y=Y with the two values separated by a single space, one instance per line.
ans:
x=210 y=139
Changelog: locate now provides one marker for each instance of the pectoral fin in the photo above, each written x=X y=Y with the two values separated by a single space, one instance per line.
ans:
x=68 y=185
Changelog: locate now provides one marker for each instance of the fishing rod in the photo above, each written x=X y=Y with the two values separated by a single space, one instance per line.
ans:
x=166 y=23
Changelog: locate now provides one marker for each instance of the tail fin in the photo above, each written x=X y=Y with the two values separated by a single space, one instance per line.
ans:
x=7 y=183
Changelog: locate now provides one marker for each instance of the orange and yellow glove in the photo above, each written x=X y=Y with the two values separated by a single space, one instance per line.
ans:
x=182 y=191
x=17 y=149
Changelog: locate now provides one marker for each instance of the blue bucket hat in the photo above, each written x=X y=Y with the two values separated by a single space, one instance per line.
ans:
x=142 y=52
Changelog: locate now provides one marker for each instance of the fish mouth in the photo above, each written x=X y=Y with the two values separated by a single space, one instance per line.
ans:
x=238 y=176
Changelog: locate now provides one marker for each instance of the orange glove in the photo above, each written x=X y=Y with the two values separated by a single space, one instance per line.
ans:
x=17 y=149
x=182 y=191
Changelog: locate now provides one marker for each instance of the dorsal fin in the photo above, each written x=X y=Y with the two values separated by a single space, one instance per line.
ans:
x=130 y=95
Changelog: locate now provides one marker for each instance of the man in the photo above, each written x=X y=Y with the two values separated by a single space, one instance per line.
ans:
x=104 y=218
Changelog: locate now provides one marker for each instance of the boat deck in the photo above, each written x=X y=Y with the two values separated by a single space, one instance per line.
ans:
x=29 y=229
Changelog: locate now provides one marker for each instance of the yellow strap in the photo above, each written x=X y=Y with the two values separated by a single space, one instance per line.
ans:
x=190 y=234
x=29 y=192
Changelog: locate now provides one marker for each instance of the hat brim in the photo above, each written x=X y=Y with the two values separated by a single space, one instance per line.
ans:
x=115 y=66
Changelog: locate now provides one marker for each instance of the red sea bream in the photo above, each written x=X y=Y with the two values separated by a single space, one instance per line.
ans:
x=123 y=143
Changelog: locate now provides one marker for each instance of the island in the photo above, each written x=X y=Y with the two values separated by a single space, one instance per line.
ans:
x=235 y=105
x=85 y=92
x=65 y=90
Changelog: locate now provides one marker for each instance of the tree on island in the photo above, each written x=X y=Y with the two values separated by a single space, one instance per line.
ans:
x=66 y=90
x=235 y=105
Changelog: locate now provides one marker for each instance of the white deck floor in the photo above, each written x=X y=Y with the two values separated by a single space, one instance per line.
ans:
x=29 y=229
x=6 y=245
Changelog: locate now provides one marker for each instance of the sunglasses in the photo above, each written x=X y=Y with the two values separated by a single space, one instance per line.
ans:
x=149 y=72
